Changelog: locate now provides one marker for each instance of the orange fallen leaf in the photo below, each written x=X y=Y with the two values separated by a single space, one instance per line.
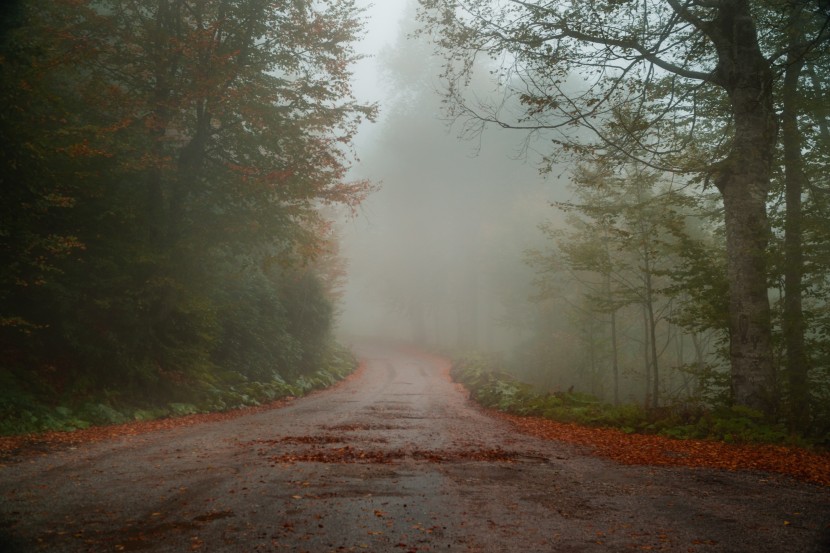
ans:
x=642 y=449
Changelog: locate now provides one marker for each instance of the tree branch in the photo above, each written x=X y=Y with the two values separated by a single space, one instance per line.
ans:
x=645 y=53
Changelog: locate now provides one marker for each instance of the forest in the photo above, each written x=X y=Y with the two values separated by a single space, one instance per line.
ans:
x=681 y=257
x=694 y=252
x=169 y=174
x=635 y=227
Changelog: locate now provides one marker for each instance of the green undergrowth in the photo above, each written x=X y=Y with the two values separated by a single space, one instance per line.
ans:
x=32 y=406
x=497 y=389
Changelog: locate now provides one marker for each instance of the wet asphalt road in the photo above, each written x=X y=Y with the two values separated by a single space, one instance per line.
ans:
x=394 y=461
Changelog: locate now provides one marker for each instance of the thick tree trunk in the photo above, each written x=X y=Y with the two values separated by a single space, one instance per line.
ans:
x=744 y=182
x=753 y=377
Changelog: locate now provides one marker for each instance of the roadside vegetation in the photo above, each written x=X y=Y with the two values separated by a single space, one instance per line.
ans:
x=36 y=407
x=491 y=385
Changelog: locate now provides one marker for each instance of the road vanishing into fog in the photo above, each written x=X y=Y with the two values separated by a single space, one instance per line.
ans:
x=396 y=460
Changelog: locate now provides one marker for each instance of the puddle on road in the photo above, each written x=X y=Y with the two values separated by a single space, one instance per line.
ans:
x=389 y=408
x=216 y=515
x=298 y=440
x=349 y=454
x=310 y=440
x=357 y=427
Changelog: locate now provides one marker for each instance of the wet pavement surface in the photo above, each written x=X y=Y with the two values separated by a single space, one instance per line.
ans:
x=397 y=460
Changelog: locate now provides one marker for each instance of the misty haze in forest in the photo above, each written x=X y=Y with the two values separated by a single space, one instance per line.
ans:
x=605 y=276
x=557 y=280
x=205 y=203
x=436 y=255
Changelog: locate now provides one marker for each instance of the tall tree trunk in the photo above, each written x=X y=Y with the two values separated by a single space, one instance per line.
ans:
x=753 y=377
x=592 y=355
x=191 y=164
x=651 y=327
x=744 y=182
x=609 y=297
x=794 y=181
x=615 y=361
x=647 y=357
x=166 y=64
x=700 y=363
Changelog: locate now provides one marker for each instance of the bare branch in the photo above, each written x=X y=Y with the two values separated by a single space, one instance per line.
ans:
x=645 y=53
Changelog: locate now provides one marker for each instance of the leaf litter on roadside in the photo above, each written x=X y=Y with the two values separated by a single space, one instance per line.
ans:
x=640 y=449
x=810 y=466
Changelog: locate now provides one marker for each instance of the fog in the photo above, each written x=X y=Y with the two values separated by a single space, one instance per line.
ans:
x=173 y=240
x=436 y=255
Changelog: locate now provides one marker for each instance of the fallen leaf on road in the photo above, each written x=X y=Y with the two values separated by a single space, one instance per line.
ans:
x=641 y=449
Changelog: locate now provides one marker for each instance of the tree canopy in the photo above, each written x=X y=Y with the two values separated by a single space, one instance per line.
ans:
x=687 y=87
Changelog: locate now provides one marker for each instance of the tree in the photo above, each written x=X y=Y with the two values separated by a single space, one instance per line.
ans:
x=794 y=176
x=629 y=229
x=670 y=63
x=172 y=158
x=800 y=58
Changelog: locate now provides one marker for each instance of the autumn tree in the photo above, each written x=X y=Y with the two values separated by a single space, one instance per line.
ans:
x=171 y=162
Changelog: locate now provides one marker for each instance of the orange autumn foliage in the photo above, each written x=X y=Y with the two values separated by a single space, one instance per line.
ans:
x=640 y=449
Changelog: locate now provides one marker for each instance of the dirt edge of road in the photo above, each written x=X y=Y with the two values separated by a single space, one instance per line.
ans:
x=632 y=449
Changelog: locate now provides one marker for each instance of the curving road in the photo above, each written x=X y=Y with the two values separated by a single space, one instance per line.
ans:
x=395 y=460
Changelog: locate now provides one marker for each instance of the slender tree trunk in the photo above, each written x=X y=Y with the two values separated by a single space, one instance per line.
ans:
x=679 y=360
x=592 y=357
x=190 y=171
x=158 y=122
x=646 y=357
x=609 y=296
x=615 y=362
x=744 y=182
x=700 y=361
x=652 y=330
x=794 y=181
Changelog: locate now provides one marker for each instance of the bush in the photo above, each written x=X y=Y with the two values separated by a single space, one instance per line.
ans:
x=101 y=414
